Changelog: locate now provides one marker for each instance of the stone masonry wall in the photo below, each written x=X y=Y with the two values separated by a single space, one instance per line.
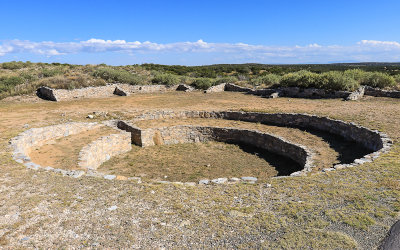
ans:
x=39 y=136
x=93 y=155
x=98 y=92
x=193 y=134
x=373 y=140
x=216 y=88
x=381 y=93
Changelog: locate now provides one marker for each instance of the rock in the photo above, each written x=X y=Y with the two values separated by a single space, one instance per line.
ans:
x=31 y=165
x=204 y=182
x=249 y=179
x=274 y=95
x=90 y=116
x=185 y=223
x=216 y=88
x=356 y=94
x=26 y=126
x=234 y=179
x=268 y=185
x=119 y=91
x=392 y=240
x=109 y=177
x=75 y=173
x=191 y=184
x=47 y=93
x=112 y=208
x=25 y=239
x=137 y=179
x=219 y=180
x=184 y=87
x=340 y=166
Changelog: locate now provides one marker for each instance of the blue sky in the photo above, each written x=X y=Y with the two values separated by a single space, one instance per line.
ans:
x=199 y=32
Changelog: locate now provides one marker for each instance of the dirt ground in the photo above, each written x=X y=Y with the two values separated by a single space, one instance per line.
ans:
x=64 y=152
x=346 y=209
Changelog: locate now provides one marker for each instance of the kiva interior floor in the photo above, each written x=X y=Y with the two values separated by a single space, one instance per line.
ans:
x=196 y=161
x=185 y=162
x=64 y=152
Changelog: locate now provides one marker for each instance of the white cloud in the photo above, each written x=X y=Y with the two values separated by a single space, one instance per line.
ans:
x=370 y=50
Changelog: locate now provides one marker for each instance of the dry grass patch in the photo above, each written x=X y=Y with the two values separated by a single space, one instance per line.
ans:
x=195 y=161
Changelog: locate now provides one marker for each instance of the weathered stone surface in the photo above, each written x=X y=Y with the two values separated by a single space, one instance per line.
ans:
x=234 y=179
x=235 y=88
x=274 y=95
x=119 y=91
x=108 y=90
x=102 y=149
x=47 y=93
x=204 y=181
x=219 y=180
x=356 y=95
x=184 y=87
x=216 y=88
x=109 y=177
x=381 y=93
x=249 y=179
x=392 y=240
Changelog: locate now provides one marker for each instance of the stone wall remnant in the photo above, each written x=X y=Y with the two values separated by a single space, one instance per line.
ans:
x=101 y=150
x=381 y=93
x=185 y=88
x=216 y=88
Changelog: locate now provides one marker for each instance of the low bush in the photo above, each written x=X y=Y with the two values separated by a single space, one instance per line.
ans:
x=378 y=80
x=119 y=76
x=51 y=72
x=7 y=83
x=226 y=79
x=14 y=65
x=335 y=80
x=266 y=80
x=301 y=79
x=78 y=81
x=356 y=74
x=166 y=79
x=203 y=83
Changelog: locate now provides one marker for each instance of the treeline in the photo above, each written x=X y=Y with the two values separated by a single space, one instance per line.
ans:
x=18 y=78
x=263 y=69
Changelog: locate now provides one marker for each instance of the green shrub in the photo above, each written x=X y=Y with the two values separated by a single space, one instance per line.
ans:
x=7 y=84
x=202 y=83
x=166 y=79
x=28 y=76
x=336 y=80
x=226 y=79
x=378 y=80
x=14 y=65
x=356 y=74
x=267 y=80
x=51 y=72
x=302 y=79
x=79 y=81
x=120 y=76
